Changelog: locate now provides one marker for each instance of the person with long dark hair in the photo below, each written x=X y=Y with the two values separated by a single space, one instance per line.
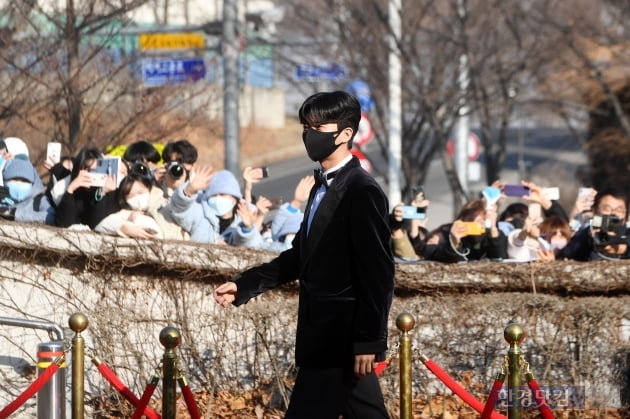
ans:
x=84 y=202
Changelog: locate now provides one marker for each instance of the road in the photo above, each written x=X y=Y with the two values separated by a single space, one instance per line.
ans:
x=538 y=148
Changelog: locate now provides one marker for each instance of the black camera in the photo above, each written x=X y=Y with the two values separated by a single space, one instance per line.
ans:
x=175 y=170
x=141 y=168
x=608 y=224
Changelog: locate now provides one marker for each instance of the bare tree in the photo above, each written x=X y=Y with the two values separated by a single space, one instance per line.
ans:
x=72 y=75
x=588 y=76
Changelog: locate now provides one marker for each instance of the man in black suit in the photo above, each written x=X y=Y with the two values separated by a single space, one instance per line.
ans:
x=342 y=258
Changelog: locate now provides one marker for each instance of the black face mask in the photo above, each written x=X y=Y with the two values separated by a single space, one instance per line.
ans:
x=319 y=145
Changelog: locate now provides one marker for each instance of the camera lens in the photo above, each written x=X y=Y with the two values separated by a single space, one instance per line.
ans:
x=175 y=170
x=141 y=169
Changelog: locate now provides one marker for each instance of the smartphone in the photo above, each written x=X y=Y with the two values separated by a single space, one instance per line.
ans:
x=53 y=152
x=265 y=171
x=105 y=166
x=516 y=190
x=411 y=212
x=586 y=192
x=98 y=179
x=473 y=228
x=553 y=194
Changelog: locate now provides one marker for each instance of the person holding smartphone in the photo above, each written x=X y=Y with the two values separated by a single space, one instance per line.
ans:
x=84 y=202
x=468 y=238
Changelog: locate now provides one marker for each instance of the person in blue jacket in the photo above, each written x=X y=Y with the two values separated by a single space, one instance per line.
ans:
x=211 y=208
x=24 y=197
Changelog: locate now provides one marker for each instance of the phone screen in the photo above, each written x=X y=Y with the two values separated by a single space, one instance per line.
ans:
x=411 y=212
x=516 y=190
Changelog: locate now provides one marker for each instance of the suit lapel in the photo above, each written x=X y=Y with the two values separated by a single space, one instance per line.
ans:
x=326 y=210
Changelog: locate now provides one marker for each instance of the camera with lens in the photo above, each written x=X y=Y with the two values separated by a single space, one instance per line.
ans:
x=612 y=230
x=175 y=170
x=141 y=168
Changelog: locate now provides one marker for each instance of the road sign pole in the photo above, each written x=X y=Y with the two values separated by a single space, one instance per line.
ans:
x=463 y=128
x=230 y=88
x=395 y=104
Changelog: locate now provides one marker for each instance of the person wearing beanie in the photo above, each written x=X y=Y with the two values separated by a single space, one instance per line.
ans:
x=210 y=207
x=24 y=197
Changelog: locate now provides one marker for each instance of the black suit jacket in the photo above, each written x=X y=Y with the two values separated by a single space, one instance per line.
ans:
x=346 y=272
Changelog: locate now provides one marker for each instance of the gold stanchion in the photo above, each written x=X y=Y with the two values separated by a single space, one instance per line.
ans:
x=169 y=338
x=78 y=322
x=514 y=335
x=405 y=323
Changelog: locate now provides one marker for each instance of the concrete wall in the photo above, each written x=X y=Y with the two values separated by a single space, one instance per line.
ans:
x=131 y=290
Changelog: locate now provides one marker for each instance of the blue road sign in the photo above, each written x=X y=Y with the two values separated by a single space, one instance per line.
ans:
x=316 y=72
x=161 y=71
x=363 y=93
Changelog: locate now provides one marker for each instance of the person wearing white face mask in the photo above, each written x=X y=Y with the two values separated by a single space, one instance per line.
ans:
x=211 y=208
x=141 y=215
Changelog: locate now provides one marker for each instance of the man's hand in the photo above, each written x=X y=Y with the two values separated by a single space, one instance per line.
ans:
x=225 y=294
x=363 y=364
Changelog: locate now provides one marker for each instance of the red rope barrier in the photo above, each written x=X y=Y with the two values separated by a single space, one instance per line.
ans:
x=189 y=398
x=458 y=389
x=30 y=391
x=146 y=398
x=544 y=408
x=123 y=389
x=380 y=367
x=492 y=399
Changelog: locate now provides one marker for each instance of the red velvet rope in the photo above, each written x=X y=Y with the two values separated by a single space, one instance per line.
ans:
x=545 y=411
x=124 y=390
x=30 y=391
x=459 y=390
x=380 y=367
x=492 y=399
x=144 y=401
x=190 y=400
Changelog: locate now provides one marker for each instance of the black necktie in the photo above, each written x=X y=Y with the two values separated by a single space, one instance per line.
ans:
x=321 y=178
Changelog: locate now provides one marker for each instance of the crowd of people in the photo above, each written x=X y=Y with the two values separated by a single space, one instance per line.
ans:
x=534 y=228
x=146 y=194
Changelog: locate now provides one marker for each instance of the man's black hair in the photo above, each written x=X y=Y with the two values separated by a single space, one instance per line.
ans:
x=610 y=191
x=331 y=107
x=141 y=151
x=184 y=148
